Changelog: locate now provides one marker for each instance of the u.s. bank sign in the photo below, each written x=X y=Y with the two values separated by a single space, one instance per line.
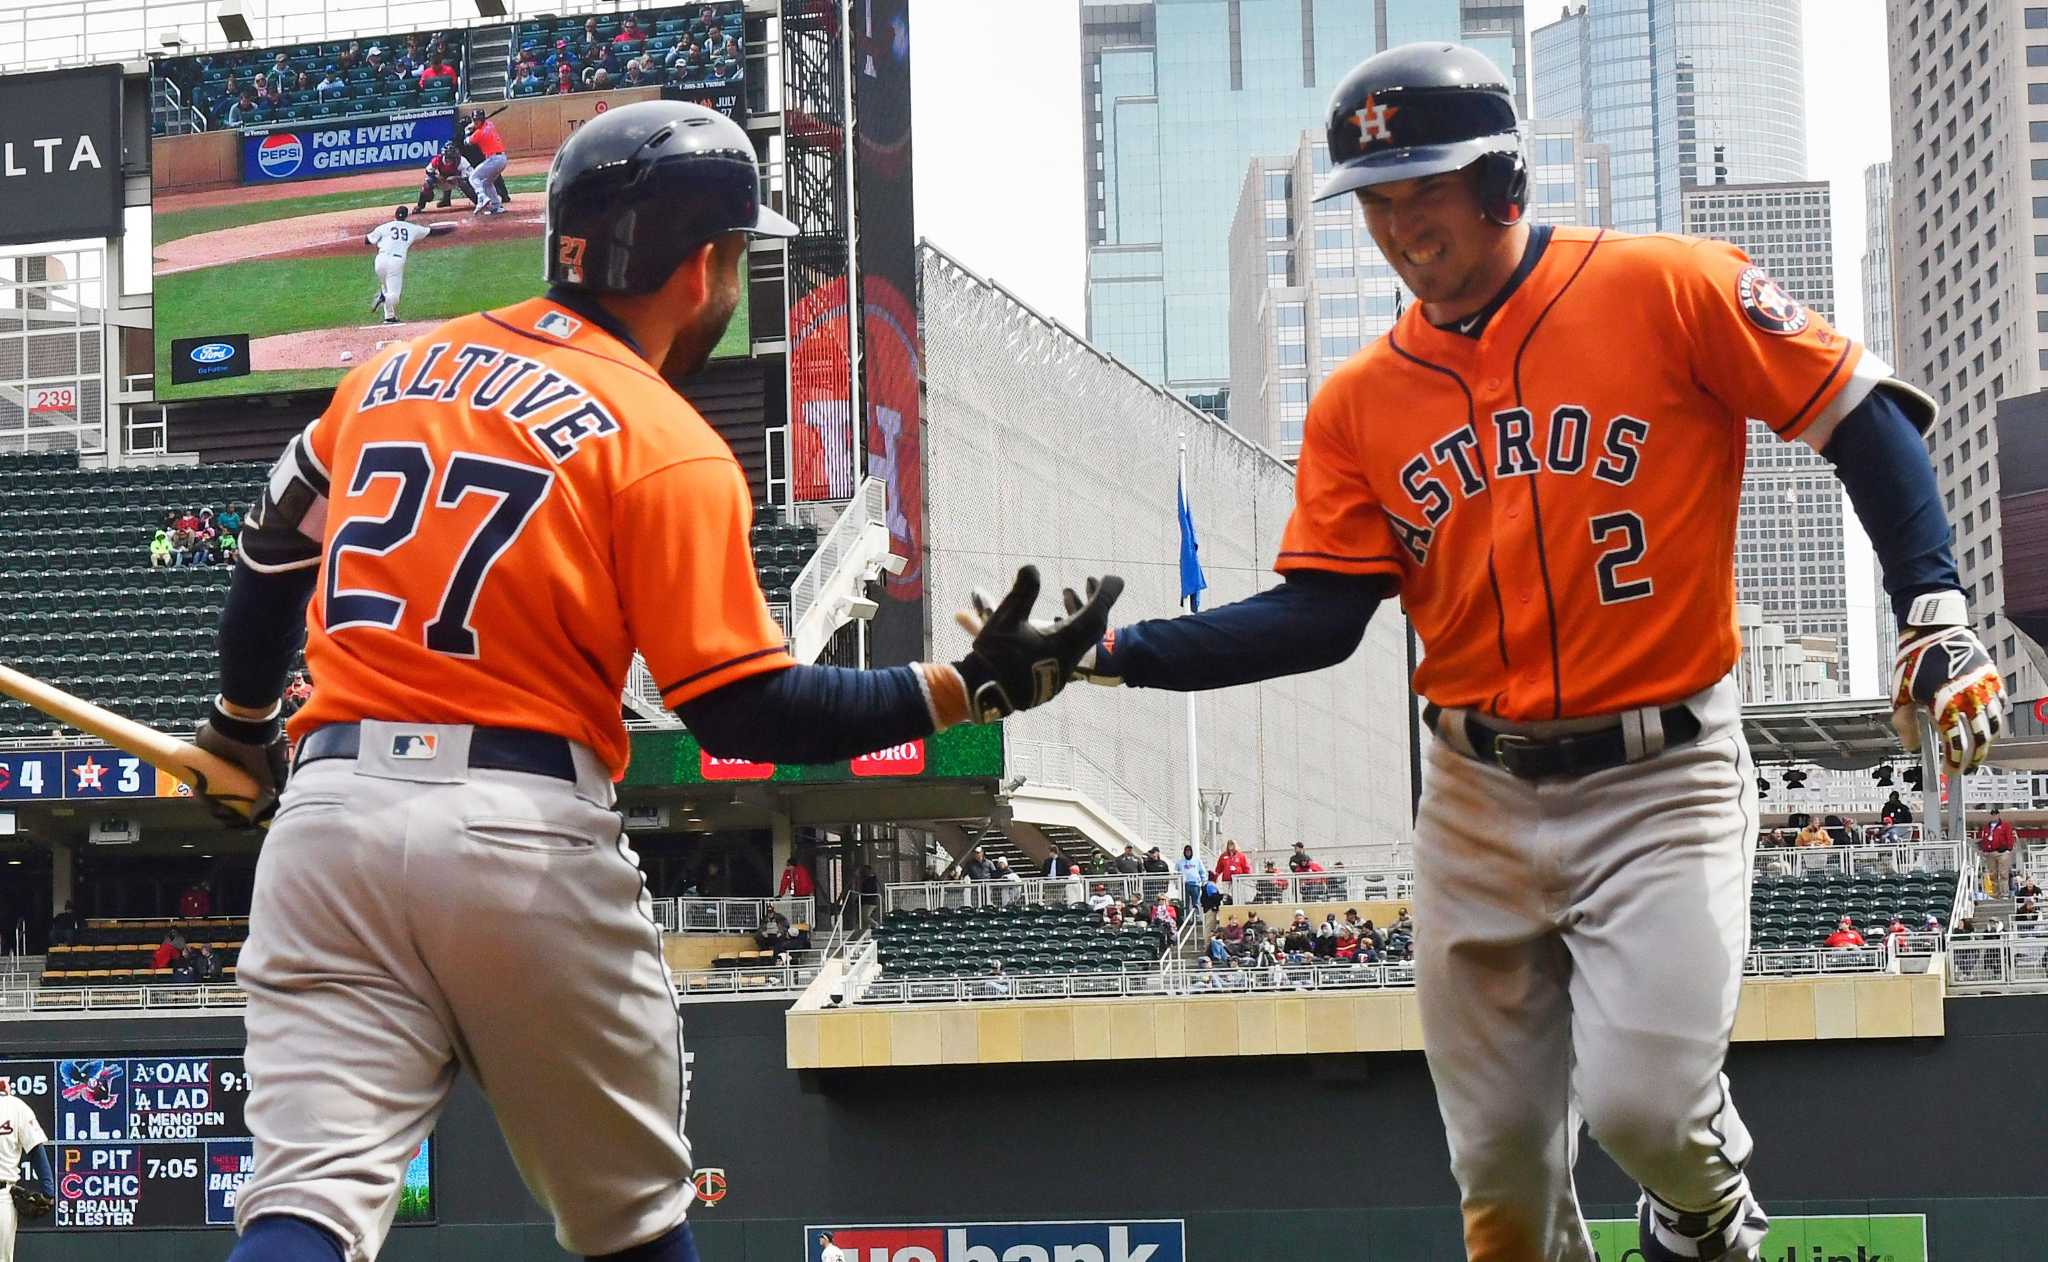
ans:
x=60 y=155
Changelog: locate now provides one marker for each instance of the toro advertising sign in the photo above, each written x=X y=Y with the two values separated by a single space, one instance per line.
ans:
x=967 y=752
x=60 y=155
x=1854 y=1238
x=305 y=151
x=1141 y=1240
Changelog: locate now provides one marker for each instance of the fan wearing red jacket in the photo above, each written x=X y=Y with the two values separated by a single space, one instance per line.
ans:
x=1844 y=936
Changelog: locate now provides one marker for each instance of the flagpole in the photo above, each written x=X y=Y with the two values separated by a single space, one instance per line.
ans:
x=1194 y=762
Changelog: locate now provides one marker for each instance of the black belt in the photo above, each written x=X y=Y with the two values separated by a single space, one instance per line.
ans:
x=1576 y=754
x=490 y=749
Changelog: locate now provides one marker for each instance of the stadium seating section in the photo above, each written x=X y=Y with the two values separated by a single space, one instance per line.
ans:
x=967 y=942
x=780 y=551
x=1802 y=910
x=118 y=952
x=667 y=31
x=80 y=606
x=203 y=80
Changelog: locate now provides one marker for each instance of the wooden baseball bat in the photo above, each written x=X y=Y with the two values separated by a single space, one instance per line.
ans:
x=205 y=772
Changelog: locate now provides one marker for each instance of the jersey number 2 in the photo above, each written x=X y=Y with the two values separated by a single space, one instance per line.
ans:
x=1613 y=589
x=518 y=488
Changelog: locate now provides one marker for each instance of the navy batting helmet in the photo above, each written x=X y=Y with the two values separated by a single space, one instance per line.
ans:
x=1423 y=109
x=637 y=189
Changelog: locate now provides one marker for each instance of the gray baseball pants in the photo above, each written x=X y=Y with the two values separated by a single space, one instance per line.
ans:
x=1579 y=949
x=486 y=181
x=412 y=915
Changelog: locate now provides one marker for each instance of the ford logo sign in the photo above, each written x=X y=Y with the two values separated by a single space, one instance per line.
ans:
x=212 y=353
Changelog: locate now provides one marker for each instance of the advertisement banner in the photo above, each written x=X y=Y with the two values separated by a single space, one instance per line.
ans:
x=1864 y=1238
x=309 y=151
x=972 y=751
x=1143 y=1240
x=60 y=155
x=195 y=359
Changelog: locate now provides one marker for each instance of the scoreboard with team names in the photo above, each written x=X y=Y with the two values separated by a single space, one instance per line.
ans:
x=148 y=1141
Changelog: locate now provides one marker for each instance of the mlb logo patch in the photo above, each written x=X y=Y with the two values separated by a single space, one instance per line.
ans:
x=420 y=745
x=555 y=324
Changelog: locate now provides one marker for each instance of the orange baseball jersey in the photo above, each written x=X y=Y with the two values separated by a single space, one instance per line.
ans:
x=1557 y=497
x=502 y=510
x=485 y=136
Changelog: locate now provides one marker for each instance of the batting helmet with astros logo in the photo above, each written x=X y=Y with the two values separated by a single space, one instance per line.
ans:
x=638 y=189
x=1423 y=109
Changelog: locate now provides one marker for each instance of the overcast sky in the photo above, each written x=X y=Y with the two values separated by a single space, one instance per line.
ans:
x=998 y=152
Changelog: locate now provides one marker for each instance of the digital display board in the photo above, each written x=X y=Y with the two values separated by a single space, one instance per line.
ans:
x=154 y=1141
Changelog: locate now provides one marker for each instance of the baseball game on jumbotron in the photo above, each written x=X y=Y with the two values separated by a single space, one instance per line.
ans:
x=1174 y=631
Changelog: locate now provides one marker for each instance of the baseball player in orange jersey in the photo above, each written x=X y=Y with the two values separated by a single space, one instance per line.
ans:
x=1543 y=459
x=487 y=521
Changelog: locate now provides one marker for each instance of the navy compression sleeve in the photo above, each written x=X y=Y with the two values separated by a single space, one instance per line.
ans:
x=1313 y=620
x=1883 y=465
x=810 y=714
x=261 y=629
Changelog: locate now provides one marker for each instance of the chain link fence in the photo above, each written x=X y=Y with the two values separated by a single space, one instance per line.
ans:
x=1039 y=448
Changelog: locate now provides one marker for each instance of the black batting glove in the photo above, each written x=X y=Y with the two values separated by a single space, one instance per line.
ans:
x=1017 y=663
x=258 y=747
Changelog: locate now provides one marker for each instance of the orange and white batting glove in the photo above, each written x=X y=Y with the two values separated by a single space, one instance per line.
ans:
x=1943 y=668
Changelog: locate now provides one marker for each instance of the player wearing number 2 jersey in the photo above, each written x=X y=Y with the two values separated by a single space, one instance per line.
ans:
x=487 y=522
x=1544 y=459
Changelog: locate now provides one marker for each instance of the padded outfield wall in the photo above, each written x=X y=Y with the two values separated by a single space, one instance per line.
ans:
x=1280 y=1157
x=1040 y=448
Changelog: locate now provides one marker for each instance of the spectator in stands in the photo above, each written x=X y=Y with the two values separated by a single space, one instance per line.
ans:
x=796 y=881
x=1839 y=831
x=1004 y=872
x=1403 y=924
x=1845 y=935
x=1113 y=915
x=227 y=545
x=380 y=69
x=243 y=110
x=591 y=37
x=1163 y=912
x=331 y=87
x=351 y=58
x=66 y=925
x=168 y=951
x=436 y=71
x=280 y=74
x=2024 y=886
x=2028 y=909
x=977 y=867
x=1299 y=860
x=266 y=97
x=724 y=68
x=1895 y=816
x=207 y=965
x=630 y=33
x=160 y=549
x=1996 y=840
x=997 y=982
x=1232 y=862
x=565 y=79
x=1270 y=886
x=185 y=968
x=1213 y=896
x=1193 y=875
x=196 y=903
x=1300 y=934
x=1326 y=937
x=1101 y=898
x=304 y=83
x=528 y=81
x=1058 y=865
x=1813 y=835
x=1932 y=924
x=600 y=80
x=409 y=60
x=1896 y=929
x=641 y=70
x=1129 y=863
x=1218 y=950
x=297 y=693
x=202 y=548
x=773 y=933
x=1155 y=863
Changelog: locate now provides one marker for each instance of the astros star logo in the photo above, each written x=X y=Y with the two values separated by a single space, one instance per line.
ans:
x=1375 y=121
x=89 y=773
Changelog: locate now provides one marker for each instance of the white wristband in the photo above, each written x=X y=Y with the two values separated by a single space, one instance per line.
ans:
x=1939 y=609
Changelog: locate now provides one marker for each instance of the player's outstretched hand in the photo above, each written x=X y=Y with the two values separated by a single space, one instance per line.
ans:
x=1018 y=662
x=1943 y=668
x=258 y=747
x=1094 y=665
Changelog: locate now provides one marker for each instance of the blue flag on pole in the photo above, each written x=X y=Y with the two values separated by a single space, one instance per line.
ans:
x=1191 y=580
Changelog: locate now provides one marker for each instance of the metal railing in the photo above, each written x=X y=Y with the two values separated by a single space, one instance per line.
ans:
x=811 y=624
x=1938 y=856
x=1056 y=766
x=729 y=915
x=705 y=983
x=21 y=1003
x=1051 y=891
x=1392 y=856
x=2013 y=962
x=1273 y=888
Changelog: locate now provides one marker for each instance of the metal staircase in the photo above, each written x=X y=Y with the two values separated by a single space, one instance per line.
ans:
x=489 y=58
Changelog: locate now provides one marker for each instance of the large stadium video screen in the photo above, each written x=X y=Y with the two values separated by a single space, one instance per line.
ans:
x=155 y=1141
x=272 y=168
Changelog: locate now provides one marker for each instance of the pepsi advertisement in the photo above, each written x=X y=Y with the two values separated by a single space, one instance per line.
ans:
x=1146 y=1240
x=209 y=358
x=154 y=1141
x=307 y=151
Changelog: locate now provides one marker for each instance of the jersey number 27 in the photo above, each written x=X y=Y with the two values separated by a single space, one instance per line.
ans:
x=518 y=489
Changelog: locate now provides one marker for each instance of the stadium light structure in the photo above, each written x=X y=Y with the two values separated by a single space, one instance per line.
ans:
x=172 y=41
x=490 y=8
x=234 y=17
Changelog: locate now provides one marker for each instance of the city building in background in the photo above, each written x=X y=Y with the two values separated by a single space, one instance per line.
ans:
x=1969 y=98
x=1880 y=336
x=1308 y=287
x=1176 y=93
x=1789 y=558
x=1777 y=666
x=1499 y=28
x=1684 y=91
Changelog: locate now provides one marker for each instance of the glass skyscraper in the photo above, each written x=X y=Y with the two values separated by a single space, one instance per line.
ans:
x=1684 y=92
x=1179 y=97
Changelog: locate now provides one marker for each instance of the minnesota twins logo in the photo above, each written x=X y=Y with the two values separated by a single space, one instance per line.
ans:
x=1375 y=121
x=711 y=1186
x=1767 y=304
